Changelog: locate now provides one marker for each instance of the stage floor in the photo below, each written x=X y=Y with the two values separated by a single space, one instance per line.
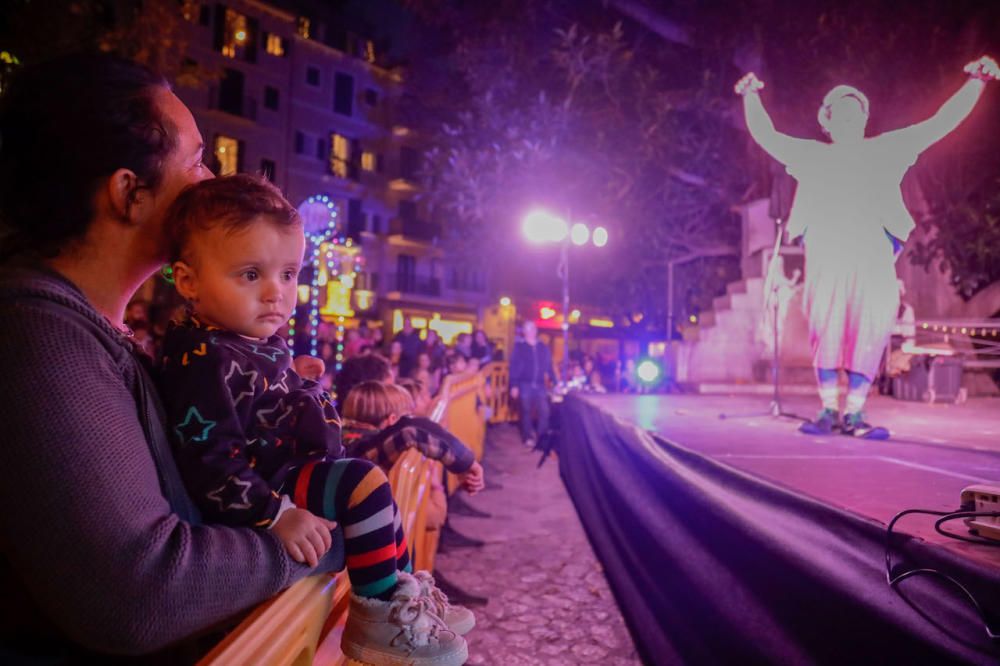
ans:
x=935 y=451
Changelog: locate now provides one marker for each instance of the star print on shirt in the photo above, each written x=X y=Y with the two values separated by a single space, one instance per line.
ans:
x=270 y=353
x=240 y=383
x=270 y=418
x=282 y=385
x=231 y=495
x=188 y=430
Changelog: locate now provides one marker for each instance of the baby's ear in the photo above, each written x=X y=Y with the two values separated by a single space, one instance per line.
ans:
x=185 y=280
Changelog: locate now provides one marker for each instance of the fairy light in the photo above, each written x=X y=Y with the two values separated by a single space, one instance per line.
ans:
x=326 y=234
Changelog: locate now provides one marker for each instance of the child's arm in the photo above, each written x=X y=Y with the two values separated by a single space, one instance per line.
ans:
x=431 y=440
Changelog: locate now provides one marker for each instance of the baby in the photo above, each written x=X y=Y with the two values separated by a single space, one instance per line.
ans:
x=258 y=445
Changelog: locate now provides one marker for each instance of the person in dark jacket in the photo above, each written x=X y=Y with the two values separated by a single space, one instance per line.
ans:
x=410 y=347
x=530 y=367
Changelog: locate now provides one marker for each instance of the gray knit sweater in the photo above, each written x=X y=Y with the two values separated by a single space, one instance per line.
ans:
x=90 y=501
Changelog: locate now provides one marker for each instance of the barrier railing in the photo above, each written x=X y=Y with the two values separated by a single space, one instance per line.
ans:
x=502 y=408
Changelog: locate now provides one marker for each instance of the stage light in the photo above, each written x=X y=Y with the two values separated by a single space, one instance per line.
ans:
x=600 y=236
x=648 y=372
x=542 y=227
x=579 y=234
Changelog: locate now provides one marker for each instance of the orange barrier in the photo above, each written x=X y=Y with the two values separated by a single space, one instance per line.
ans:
x=503 y=408
x=284 y=631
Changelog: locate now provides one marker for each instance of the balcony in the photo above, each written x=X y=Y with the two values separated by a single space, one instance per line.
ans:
x=414 y=229
x=407 y=283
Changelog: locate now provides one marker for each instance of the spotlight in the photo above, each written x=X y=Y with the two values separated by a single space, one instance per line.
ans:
x=648 y=372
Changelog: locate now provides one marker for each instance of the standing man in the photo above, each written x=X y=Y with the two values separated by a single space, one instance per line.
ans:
x=409 y=340
x=530 y=364
x=850 y=210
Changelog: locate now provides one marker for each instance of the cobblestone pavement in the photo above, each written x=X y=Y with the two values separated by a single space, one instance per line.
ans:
x=549 y=601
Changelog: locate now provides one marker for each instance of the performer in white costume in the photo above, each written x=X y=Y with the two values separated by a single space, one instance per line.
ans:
x=849 y=209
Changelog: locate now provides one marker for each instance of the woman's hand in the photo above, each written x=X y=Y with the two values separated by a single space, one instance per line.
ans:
x=309 y=367
x=305 y=536
x=984 y=69
x=748 y=84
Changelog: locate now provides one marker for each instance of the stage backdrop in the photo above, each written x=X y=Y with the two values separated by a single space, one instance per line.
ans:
x=713 y=566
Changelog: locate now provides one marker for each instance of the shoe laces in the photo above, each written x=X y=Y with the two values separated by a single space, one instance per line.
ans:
x=418 y=624
x=430 y=591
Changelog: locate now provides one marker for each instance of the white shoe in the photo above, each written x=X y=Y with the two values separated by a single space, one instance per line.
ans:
x=458 y=618
x=403 y=631
x=529 y=443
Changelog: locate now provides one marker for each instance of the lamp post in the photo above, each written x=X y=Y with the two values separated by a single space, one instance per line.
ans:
x=540 y=226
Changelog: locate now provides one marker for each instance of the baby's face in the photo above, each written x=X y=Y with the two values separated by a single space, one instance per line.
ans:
x=245 y=281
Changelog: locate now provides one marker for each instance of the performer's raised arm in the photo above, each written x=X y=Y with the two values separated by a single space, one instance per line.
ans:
x=922 y=135
x=784 y=148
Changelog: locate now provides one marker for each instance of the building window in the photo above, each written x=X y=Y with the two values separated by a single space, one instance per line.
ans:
x=340 y=155
x=407 y=211
x=312 y=75
x=274 y=44
x=371 y=97
x=409 y=162
x=368 y=160
x=227 y=154
x=189 y=10
x=355 y=218
x=205 y=15
x=320 y=148
x=271 y=98
x=380 y=163
x=376 y=224
x=237 y=34
x=300 y=143
x=267 y=169
x=231 y=92
x=343 y=95
x=303 y=27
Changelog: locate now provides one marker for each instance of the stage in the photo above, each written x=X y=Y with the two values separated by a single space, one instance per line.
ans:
x=777 y=539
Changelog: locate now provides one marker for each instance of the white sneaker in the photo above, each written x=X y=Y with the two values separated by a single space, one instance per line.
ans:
x=529 y=443
x=458 y=618
x=400 y=632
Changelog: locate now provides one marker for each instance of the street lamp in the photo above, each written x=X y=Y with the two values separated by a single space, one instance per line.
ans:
x=540 y=226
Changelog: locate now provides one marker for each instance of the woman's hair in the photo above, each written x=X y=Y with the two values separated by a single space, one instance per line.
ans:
x=65 y=125
x=402 y=402
x=839 y=92
x=369 y=402
x=231 y=202
x=414 y=386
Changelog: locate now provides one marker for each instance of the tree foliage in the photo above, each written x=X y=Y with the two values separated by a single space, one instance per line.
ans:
x=578 y=107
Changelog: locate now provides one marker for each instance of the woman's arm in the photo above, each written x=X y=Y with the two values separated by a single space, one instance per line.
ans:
x=785 y=149
x=86 y=527
x=923 y=135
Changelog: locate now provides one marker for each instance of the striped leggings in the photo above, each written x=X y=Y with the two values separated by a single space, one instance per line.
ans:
x=356 y=494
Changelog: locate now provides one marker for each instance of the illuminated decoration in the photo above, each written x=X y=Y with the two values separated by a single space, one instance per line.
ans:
x=448 y=329
x=579 y=234
x=397 y=321
x=637 y=317
x=648 y=371
x=236 y=33
x=546 y=312
x=574 y=316
x=693 y=319
x=505 y=301
x=602 y=323
x=303 y=27
x=364 y=299
x=241 y=36
x=600 y=237
x=336 y=262
x=368 y=160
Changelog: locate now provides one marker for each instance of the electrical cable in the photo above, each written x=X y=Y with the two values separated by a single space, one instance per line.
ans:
x=945 y=516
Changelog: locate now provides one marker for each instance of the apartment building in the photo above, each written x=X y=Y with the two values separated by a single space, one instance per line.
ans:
x=310 y=104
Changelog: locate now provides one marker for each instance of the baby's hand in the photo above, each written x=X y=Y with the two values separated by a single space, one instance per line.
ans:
x=472 y=480
x=305 y=536
x=309 y=367
x=985 y=69
x=748 y=84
